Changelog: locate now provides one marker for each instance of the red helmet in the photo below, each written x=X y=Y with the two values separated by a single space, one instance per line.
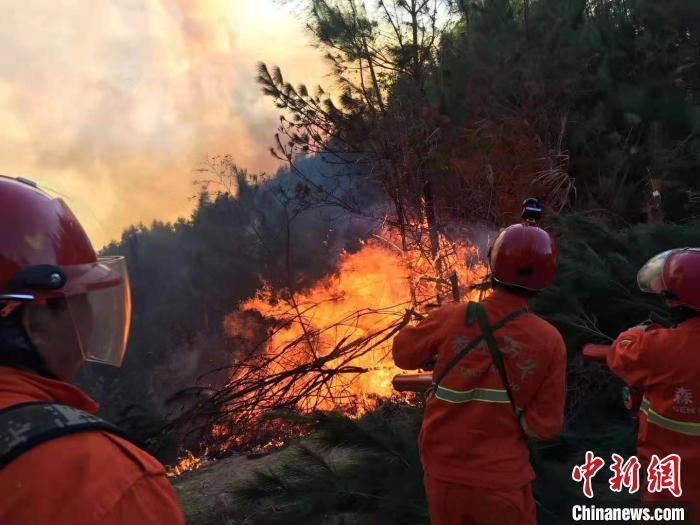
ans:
x=46 y=254
x=524 y=256
x=674 y=274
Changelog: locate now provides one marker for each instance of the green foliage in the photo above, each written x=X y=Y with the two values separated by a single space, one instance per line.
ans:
x=596 y=296
x=612 y=85
x=351 y=471
x=586 y=103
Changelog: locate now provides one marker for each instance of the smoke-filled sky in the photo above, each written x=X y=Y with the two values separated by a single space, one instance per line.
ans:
x=115 y=103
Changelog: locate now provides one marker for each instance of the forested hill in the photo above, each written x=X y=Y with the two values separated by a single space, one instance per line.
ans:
x=438 y=116
x=187 y=276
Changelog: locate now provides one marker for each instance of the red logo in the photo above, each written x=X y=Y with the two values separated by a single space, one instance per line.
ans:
x=625 y=474
x=665 y=474
x=662 y=474
x=587 y=471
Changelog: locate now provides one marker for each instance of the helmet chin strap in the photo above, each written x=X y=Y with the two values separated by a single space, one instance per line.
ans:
x=10 y=307
x=13 y=302
x=17 y=349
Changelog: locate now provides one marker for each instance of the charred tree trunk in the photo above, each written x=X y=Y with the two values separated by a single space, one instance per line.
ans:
x=434 y=238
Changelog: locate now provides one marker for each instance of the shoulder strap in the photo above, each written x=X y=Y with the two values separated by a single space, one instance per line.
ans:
x=462 y=353
x=27 y=425
x=496 y=355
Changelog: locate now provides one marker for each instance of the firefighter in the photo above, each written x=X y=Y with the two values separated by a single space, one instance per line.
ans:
x=473 y=438
x=60 y=306
x=663 y=363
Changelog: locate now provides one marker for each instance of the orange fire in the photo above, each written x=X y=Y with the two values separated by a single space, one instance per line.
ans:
x=371 y=289
x=372 y=280
x=359 y=307
x=186 y=464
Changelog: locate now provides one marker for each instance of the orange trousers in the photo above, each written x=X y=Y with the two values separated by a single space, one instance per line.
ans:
x=453 y=504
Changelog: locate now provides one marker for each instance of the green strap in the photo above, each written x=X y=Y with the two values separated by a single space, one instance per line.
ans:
x=680 y=427
x=469 y=319
x=480 y=313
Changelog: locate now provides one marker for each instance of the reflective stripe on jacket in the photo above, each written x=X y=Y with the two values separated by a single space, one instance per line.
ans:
x=485 y=395
x=665 y=363
x=680 y=427
x=470 y=435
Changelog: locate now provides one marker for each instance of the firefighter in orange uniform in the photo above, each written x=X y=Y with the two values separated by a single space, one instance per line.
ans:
x=472 y=441
x=664 y=364
x=61 y=305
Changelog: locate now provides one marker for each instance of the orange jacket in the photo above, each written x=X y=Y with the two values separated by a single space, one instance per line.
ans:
x=665 y=363
x=83 y=478
x=474 y=438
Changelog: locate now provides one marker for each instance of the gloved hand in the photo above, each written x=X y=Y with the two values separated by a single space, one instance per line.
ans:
x=410 y=314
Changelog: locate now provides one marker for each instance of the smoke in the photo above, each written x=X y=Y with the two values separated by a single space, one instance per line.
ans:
x=114 y=104
x=187 y=281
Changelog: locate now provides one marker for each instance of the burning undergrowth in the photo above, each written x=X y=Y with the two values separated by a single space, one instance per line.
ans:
x=328 y=348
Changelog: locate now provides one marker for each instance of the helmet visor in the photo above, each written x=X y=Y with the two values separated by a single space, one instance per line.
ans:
x=650 y=276
x=101 y=314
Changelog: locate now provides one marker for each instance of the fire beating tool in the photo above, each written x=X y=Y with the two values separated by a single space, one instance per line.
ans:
x=419 y=382
x=412 y=382
x=596 y=352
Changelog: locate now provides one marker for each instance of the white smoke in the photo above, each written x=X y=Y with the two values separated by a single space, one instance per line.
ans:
x=115 y=103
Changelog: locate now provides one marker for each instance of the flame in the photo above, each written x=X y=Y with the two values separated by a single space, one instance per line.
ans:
x=373 y=280
x=345 y=322
x=371 y=289
x=187 y=463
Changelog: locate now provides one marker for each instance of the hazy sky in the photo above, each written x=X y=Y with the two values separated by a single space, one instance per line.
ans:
x=114 y=103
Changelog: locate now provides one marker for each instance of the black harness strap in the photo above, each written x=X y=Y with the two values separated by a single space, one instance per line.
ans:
x=28 y=425
x=469 y=319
